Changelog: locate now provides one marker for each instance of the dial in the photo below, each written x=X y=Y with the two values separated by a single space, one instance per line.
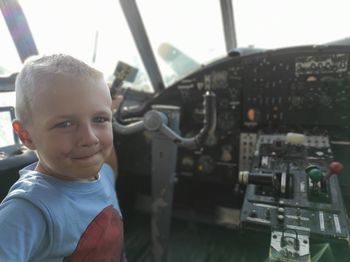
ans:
x=187 y=163
x=206 y=164
x=211 y=140
x=226 y=153
x=226 y=121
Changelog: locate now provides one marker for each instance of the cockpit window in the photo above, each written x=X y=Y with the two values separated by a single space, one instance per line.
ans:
x=187 y=34
x=183 y=40
x=275 y=24
x=93 y=31
x=10 y=61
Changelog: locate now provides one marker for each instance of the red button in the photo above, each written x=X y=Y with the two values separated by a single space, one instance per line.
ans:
x=336 y=167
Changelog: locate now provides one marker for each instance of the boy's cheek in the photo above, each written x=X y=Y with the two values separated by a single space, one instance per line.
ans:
x=107 y=136
x=61 y=145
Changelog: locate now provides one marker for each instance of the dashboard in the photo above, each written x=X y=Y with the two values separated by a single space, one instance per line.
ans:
x=304 y=90
x=270 y=166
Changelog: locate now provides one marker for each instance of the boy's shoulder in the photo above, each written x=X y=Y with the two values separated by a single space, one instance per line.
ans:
x=42 y=189
x=65 y=208
x=56 y=198
x=30 y=183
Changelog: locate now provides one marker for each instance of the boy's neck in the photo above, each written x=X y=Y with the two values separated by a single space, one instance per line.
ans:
x=42 y=170
x=90 y=179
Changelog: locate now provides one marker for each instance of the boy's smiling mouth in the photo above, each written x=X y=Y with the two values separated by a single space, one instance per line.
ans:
x=84 y=156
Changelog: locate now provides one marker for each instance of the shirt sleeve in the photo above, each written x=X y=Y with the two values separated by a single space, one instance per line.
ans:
x=22 y=229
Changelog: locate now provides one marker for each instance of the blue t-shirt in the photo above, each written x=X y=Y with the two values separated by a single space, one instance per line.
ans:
x=47 y=219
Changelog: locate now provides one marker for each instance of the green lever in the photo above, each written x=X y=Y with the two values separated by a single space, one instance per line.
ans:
x=314 y=173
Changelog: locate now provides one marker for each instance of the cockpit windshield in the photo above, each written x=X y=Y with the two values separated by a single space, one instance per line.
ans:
x=275 y=24
x=10 y=61
x=187 y=34
x=93 y=31
x=184 y=35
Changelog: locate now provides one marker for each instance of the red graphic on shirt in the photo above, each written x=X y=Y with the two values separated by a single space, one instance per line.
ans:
x=102 y=240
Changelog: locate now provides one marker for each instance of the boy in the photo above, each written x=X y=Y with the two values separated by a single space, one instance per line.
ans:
x=64 y=207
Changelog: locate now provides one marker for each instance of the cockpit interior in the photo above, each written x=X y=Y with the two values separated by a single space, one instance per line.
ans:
x=241 y=157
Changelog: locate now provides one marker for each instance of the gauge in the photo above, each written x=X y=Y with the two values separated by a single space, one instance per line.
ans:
x=226 y=121
x=219 y=80
x=296 y=101
x=225 y=102
x=206 y=164
x=233 y=93
x=187 y=163
x=325 y=100
x=226 y=153
x=211 y=140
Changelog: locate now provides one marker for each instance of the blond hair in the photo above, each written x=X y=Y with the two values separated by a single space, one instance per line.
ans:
x=38 y=69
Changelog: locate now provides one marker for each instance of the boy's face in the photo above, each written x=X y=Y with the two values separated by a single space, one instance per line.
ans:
x=71 y=127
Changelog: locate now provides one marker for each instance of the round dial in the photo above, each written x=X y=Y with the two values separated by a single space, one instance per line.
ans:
x=206 y=164
x=226 y=121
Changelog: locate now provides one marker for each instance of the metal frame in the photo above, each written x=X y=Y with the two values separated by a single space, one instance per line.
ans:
x=142 y=42
x=228 y=24
x=19 y=29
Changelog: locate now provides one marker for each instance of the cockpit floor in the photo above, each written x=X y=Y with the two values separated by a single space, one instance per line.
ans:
x=197 y=242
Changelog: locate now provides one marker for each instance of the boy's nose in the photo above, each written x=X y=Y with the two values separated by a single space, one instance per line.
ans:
x=87 y=136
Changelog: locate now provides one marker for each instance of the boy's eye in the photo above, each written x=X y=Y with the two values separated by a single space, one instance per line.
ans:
x=64 y=124
x=101 y=119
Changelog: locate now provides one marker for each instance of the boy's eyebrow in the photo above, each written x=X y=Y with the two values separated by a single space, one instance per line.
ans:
x=107 y=111
x=70 y=116
x=64 y=116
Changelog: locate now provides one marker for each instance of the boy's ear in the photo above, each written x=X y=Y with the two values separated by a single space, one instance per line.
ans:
x=23 y=134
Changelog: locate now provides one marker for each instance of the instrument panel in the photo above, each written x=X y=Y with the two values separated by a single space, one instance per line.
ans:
x=296 y=89
x=303 y=89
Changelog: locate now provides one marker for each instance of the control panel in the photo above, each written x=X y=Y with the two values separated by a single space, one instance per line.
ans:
x=300 y=89
x=293 y=188
x=217 y=158
x=278 y=113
